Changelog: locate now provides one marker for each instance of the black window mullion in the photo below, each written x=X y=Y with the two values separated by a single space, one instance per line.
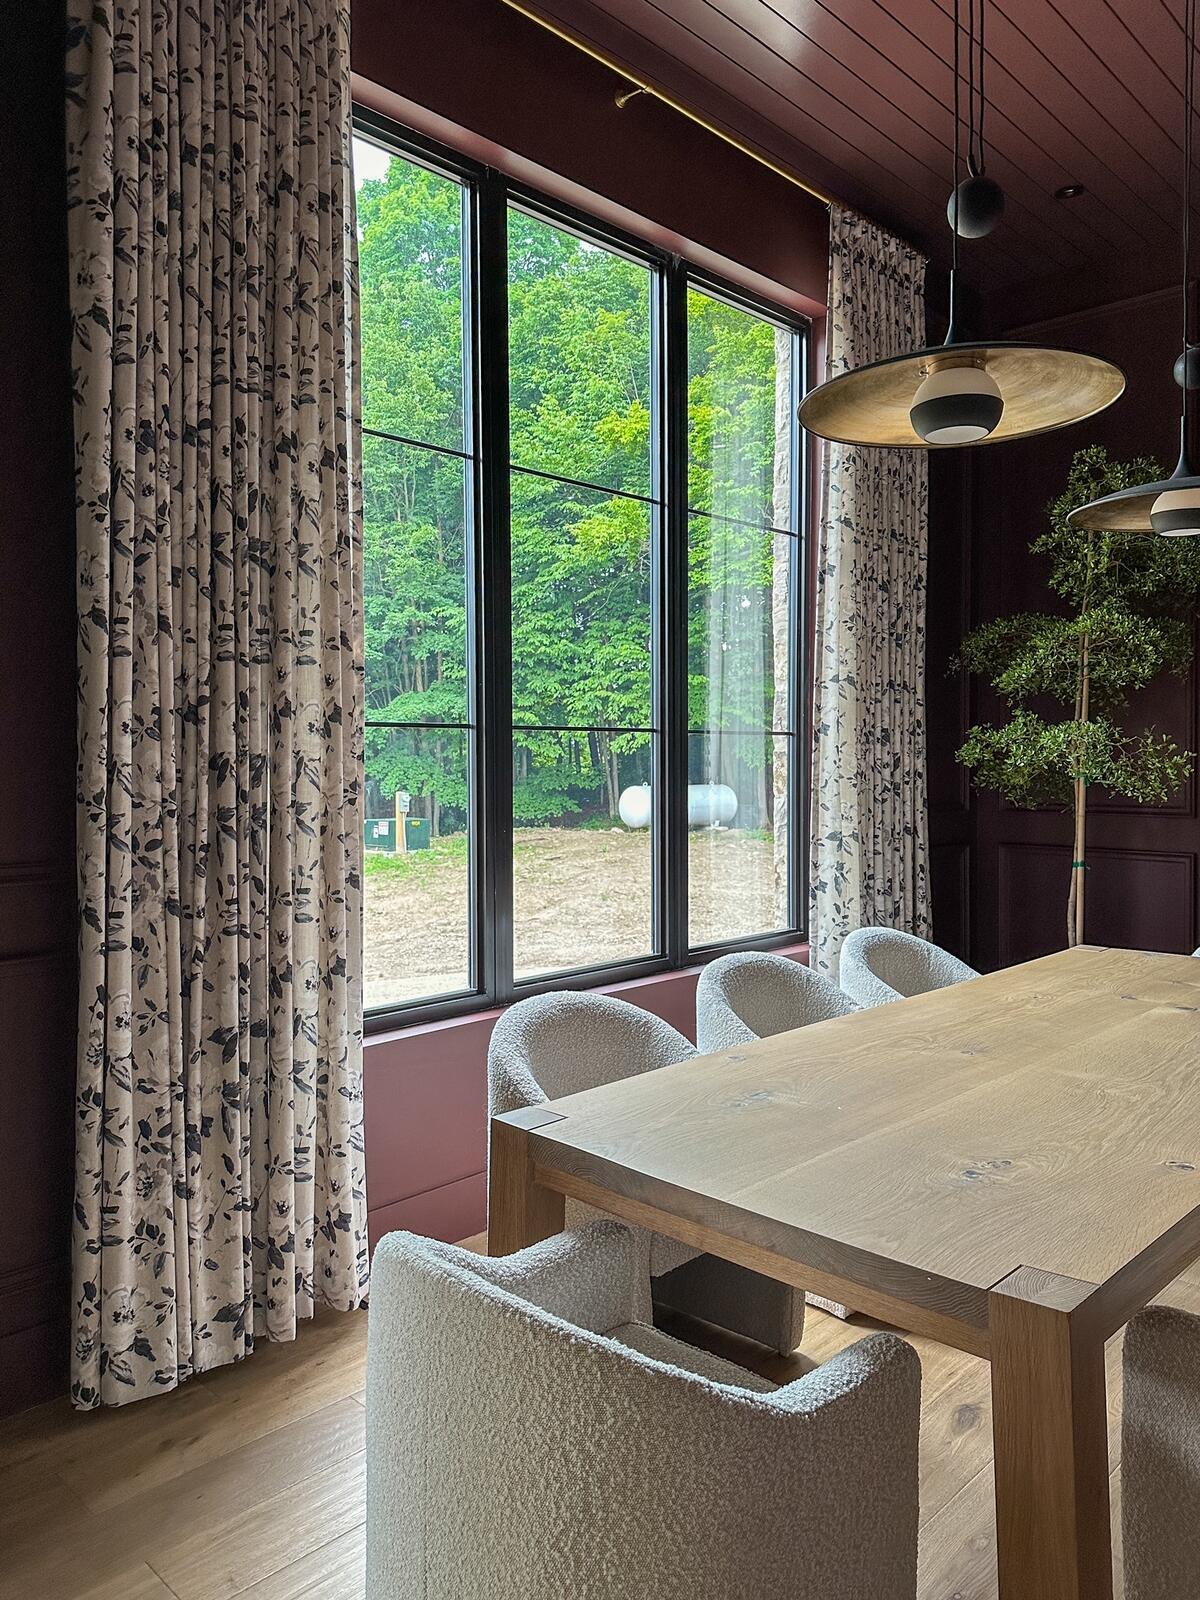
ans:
x=673 y=718
x=494 y=595
x=799 y=822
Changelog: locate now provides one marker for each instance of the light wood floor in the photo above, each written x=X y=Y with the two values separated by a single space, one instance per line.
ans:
x=248 y=1482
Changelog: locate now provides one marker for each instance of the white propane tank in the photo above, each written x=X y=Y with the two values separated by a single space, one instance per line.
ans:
x=635 y=807
x=711 y=805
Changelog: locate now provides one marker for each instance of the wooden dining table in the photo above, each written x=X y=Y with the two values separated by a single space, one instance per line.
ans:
x=1010 y=1166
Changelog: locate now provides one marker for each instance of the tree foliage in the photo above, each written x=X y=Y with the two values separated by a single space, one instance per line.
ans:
x=1131 y=598
x=1129 y=602
x=581 y=405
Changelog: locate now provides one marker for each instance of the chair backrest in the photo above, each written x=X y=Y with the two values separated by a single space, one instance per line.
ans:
x=879 y=965
x=556 y=1044
x=753 y=994
x=517 y=1450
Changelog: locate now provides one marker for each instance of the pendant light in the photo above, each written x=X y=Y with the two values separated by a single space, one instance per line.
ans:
x=1171 y=506
x=962 y=393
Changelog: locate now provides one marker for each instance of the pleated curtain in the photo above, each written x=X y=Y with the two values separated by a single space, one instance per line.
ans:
x=219 y=1182
x=869 y=809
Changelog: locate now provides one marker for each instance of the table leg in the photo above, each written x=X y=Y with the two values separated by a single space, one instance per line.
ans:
x=520 y=1211
x=1050 y=1428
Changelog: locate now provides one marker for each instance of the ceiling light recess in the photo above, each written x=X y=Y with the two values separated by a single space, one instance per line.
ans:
x=963 y=393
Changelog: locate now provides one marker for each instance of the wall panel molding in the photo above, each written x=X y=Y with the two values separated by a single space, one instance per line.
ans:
x=1137 y=898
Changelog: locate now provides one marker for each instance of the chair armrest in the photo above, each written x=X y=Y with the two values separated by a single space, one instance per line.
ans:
x=883 y=1367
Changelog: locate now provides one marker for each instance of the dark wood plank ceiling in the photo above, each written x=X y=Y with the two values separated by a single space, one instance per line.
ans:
x=855 y=96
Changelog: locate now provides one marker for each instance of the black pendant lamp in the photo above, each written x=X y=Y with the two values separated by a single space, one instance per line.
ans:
x=962 y=393
x=1171 y=506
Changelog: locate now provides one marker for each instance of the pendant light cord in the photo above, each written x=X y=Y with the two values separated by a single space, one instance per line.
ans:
x=983 y=4
x=976 y=103
x=952 y=327
x=1189 y=112
x=976 y=97
x=1184 y=467
x=957 y=126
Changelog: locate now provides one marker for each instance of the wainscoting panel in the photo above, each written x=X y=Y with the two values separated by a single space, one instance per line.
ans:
x=37 y=1075
x=453 y=1211
x=1139 y=899
x=950 y=886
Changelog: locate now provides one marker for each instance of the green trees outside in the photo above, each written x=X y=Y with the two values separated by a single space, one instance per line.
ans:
x=581 y=376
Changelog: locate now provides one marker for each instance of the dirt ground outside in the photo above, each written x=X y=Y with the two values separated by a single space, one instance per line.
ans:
x=581 y=897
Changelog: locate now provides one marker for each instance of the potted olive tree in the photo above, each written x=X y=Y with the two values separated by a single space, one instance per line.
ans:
x=1127 y=601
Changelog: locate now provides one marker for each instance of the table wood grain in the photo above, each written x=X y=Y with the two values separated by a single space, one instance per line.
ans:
x=1010 y=1166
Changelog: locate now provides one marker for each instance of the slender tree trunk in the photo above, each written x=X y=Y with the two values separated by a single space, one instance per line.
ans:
x=1076 y=901
x=1080 y=873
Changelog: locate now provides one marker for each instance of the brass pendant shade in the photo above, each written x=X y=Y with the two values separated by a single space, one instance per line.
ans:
x=963 y=393
x=1128 y=510
x=1041 y=389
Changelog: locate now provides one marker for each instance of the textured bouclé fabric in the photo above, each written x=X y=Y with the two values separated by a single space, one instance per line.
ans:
x=219 y=1187
x=1160 y=1456
x=880 y=965
x=752 y=995
x=519 y=1447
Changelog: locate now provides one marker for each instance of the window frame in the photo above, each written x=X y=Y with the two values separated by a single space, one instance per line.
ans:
x=488 y=194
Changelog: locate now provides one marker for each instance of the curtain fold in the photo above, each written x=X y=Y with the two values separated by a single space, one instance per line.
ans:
x=869 y=812
x=220 y=1189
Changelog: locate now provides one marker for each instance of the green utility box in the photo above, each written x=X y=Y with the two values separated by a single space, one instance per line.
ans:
x=417 y=833
x=380 y=834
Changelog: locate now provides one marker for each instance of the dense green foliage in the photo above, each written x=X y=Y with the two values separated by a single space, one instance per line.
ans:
x=581 y=381
x=1130 y=600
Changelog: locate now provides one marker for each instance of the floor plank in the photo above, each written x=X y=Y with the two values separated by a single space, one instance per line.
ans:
x=337 y=1571
x=247 y=1484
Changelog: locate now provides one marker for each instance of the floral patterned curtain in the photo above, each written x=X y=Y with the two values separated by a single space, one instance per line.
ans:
x=869 y=806
x=219 y=1174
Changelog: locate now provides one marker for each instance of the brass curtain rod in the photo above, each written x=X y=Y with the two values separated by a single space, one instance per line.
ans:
x=646 y=87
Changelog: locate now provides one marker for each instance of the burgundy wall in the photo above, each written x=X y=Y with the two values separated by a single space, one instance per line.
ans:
x=37 y=718
x=1142 y=886
x=947 y=701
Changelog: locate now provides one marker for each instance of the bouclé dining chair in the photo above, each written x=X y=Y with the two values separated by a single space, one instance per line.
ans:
x=881 y=965
x=558 y=1044
x=753 y=994
x=528 y=1436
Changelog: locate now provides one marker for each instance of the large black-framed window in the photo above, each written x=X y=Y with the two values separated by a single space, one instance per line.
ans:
x=584 y=596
